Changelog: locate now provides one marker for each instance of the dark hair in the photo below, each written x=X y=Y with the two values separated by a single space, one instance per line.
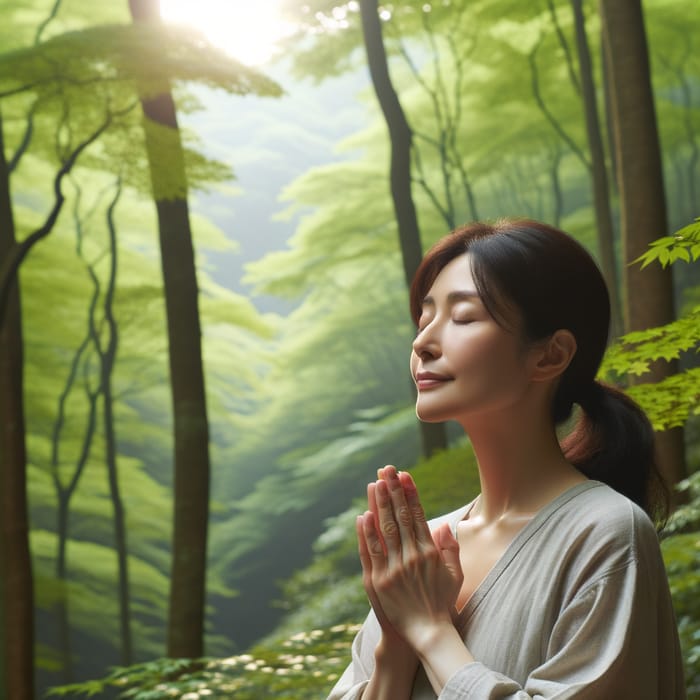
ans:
x=551 y=282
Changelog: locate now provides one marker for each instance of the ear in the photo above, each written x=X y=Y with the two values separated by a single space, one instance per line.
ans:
x=555 y=355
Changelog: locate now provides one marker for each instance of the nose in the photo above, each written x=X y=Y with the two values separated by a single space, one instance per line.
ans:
x=426 y=344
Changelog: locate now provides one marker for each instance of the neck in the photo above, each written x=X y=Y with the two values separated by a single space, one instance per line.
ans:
x=521 y=466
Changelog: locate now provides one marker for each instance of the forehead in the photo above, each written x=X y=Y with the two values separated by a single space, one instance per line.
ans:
x=455 y=276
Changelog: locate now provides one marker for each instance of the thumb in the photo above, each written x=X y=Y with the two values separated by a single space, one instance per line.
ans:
x=449 y=548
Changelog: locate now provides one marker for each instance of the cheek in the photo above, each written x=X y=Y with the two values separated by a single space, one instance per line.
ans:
x=508 y=369
x=493 y=358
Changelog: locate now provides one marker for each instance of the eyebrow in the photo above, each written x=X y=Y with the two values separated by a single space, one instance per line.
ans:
x=453 y=297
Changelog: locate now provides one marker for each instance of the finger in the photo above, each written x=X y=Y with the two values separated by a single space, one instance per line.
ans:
x=365 y=559
x=402 y=513
x=420 y=524
x=377 y=559
x=449 y=551
x=372 y=504
x=388 y=526
x=449 y=548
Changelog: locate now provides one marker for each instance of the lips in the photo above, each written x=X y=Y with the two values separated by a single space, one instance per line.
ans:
x=430 y=380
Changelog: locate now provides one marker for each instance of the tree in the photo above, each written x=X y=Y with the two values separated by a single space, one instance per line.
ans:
x=584 y=86
x=598 y=169
x=671 y=403
x=434 y=435
x=451 y=46
x=648 y=298
x=16 y=580
x=191 y=428
x=13 y=452
x=16 y=599
x=106 y=353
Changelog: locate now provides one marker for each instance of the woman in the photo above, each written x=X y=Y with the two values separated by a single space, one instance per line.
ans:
x=550 y=584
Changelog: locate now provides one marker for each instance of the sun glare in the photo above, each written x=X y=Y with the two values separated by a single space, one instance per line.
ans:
x=248 y=31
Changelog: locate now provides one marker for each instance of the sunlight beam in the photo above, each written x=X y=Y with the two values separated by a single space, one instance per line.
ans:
x=247 y=31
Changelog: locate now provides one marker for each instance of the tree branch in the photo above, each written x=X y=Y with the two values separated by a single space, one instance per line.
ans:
x=545 y=110
x=565 y=46
x=11 y=264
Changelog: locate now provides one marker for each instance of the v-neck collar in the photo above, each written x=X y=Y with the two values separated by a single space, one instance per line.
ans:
x=518 y=542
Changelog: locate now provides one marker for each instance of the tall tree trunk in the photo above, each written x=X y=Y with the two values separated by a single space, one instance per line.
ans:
x=557 y=194
x=61 y=606
x=108 y=358
x=16 y=585
x=607 y=111
x=63 y=493
x=599 y=173
x=648 y=292
x=434 y=435
x=191 y=489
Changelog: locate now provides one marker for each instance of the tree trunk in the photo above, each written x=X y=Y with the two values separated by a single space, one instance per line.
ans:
x=607 y=105
x=16 y=586
x=599 y=173
x=648 y=292
x=434 y=435
x=191 y=487
x=62 y=604
x=107 y=361
x=65 y=493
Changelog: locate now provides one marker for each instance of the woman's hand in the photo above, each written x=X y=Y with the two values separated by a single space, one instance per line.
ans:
x=412 y=579
x=390 y=638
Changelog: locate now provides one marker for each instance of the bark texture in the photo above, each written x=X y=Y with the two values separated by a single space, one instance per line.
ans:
x=648 y=293
x=191 y=431
x=16 y=583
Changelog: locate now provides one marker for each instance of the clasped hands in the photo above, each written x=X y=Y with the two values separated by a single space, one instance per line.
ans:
x=412 y=577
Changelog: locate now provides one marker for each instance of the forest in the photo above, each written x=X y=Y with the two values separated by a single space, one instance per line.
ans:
x=204 y=326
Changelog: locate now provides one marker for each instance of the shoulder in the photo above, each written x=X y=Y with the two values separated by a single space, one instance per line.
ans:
x=597 y=510
x=599 y=532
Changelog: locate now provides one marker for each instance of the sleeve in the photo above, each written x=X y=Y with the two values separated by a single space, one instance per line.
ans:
x=355 y=678
x=606 y=643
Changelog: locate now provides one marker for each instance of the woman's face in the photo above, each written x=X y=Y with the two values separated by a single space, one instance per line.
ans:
x=463 y=362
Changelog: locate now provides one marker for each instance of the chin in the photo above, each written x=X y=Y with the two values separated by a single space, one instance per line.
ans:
x=425 y=416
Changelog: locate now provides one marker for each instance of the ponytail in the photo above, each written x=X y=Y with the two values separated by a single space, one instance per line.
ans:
x=613 y=441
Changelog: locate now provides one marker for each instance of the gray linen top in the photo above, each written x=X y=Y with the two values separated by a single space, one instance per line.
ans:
x=578 y=606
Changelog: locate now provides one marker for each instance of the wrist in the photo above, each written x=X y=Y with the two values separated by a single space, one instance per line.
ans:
x=394 y=671
x=442 y=652
x=426 y=639
x=394 y=650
